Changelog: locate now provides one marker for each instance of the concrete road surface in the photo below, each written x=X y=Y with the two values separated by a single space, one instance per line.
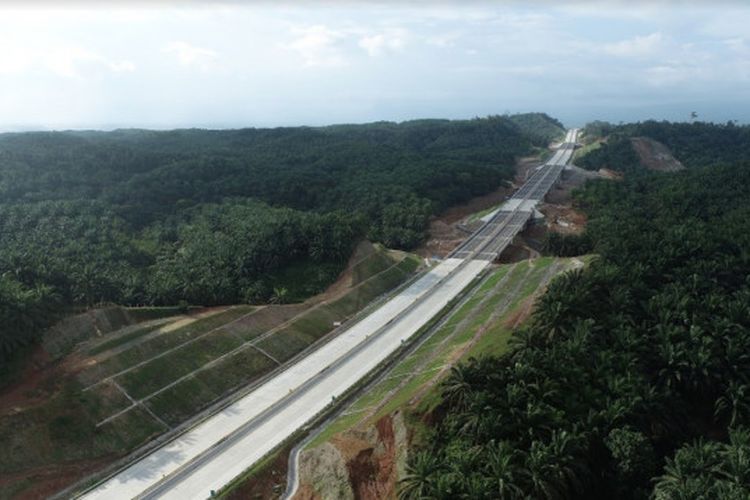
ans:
x=169 y=473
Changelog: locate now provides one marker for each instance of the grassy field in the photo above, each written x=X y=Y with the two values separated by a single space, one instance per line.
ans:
x=376 y=263
x=479 y=326
x=305 y=279
x=136 y=333
x=478 y=215
x=199 y=390
x=586 y=149
x=63 y=431
x=140 y=314
x=158 y=345
x=250 y=363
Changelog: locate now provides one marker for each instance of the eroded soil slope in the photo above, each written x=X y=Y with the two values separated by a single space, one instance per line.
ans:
x=655 y=155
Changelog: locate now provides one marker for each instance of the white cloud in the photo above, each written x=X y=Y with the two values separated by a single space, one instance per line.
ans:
x=520 y=72
x=318 y=46
x=525 y=21
x=14 y=60
x=638 y=46
x=379 y=44
x=191 y=56
x=724 y=22
x=72 y=61
x=629 y=10
x=737 y=46
x=665 y=75
x=122 y=66
x=66 y=60
x=443 y=40
x=474 y=13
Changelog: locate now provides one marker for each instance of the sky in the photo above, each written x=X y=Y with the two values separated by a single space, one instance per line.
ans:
x=256 y=64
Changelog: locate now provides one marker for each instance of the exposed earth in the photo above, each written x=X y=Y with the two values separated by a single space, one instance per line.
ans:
x=655 y=155
x=450 y=228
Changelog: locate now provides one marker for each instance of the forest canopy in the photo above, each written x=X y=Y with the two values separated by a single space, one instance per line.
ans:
x=632 y=379
x=211 y=217
x=697 y=144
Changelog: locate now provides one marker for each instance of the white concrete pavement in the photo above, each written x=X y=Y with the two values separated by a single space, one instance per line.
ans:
x=169 y=471
x=252 y=446
x=518 y=201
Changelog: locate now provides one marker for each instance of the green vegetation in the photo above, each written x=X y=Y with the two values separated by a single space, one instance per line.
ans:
x=140 y=314
x=251 y=360
x=696 y=144
x=138 y=217
x=705 y=469
x=124 y=339
x=63 y=430
x=508 y=288
x=155 y=374
x=540 y=127
x=313 y=324
x=373 y=264
x=616 y=154
x=586 y=149
x=478 y=215
x=156 y=346
x=194 y=393
x=566 y=245
x=303 y=279
x=631 y=379
x=189 y=365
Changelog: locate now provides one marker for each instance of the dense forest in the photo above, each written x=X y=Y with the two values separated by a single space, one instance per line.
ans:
x=633 y=378
x=696 y=144
x=540 y=127
x=215 y=217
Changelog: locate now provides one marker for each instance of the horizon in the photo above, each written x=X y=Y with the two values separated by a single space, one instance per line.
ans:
x=231 y=65
x=325 y=125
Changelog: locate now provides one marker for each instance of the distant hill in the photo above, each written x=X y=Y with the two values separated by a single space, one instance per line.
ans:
x=540 y=127
x=692 y=144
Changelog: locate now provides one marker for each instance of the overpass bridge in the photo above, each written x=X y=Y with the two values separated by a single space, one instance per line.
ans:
x=505 y=223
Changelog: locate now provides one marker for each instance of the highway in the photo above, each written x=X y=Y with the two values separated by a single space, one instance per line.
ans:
x=211 y=454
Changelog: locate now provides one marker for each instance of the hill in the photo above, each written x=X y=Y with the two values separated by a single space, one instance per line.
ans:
x=626 y=380
x=214 y=217
x=696 y=144
x=541 y=127
x=111 y=380
x=629 y=381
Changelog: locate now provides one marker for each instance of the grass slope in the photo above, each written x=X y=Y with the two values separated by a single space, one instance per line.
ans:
x=176 y=368
x=478 y=327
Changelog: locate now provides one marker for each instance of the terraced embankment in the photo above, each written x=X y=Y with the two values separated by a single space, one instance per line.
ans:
x=118 y=391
